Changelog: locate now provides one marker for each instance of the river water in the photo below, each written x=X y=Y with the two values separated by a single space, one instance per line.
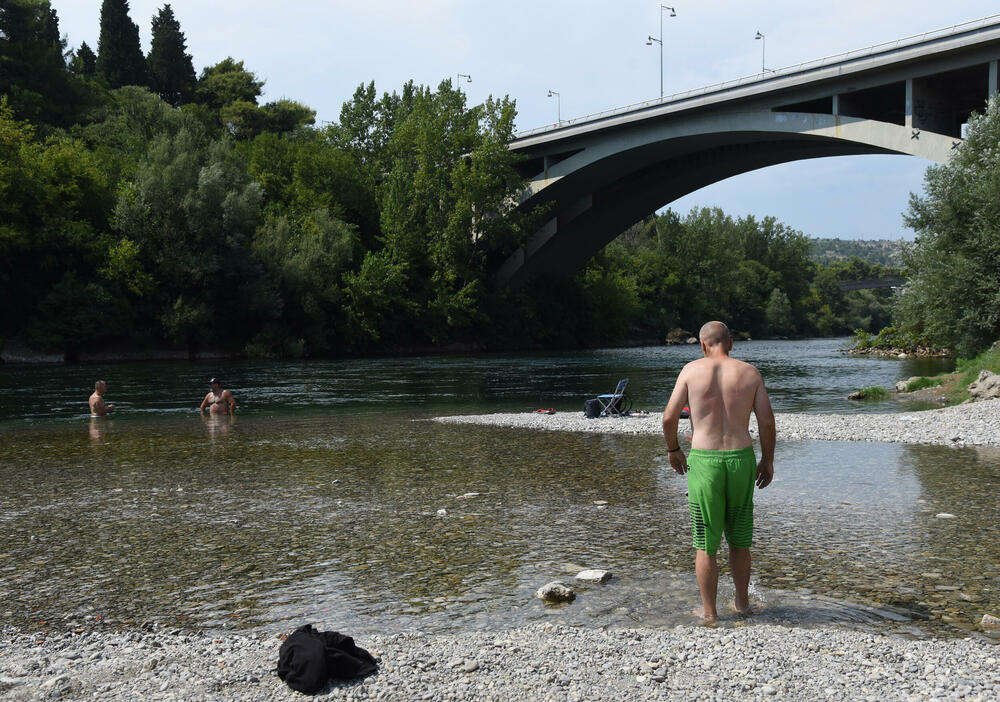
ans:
x=331 y=498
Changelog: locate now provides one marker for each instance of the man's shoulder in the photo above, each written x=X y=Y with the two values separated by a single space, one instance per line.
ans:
x=746 y=368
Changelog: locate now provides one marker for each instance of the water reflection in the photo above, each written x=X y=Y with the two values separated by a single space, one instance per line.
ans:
x=375 y=521
x=218 y=425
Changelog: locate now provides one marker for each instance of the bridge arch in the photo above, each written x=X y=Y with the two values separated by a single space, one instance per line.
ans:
x=598 y=176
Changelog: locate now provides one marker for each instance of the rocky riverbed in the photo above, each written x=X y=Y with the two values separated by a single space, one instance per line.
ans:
x=541 y=662
x=972 y=424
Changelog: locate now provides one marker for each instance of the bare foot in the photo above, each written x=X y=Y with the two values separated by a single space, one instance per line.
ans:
x=747 y=610
x=700 y=613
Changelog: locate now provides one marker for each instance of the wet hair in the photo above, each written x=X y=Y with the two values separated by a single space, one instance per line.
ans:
x=713 y=333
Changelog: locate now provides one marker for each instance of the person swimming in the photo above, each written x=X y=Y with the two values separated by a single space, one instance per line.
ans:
x=218 y=401
x=98 y=408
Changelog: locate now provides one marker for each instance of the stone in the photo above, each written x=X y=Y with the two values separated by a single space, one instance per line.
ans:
x=990 y=622
x=902 y=385
x=442 y=512
x=677 y=336
x=945 y=515
x=470 y=666
x=986 y=386
x=691 y=340
x=856 y=395
x=593 y=575
x=556 y=591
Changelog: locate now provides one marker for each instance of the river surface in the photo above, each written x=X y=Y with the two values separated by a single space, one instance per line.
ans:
x=331 y=498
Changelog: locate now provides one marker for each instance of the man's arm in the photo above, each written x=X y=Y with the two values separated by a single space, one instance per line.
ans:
x=767 y=431
x=671 y=417
x=204 y=403
x=230 y=401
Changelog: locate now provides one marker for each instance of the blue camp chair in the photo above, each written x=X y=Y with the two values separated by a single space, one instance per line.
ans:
x=616 y=403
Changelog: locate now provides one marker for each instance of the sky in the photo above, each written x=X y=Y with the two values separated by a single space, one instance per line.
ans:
x=593 y=54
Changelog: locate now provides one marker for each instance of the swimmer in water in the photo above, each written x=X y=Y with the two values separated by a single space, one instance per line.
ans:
x=218 y=401
x=98 y=408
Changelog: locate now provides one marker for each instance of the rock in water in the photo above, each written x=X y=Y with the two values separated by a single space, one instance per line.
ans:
x=556 y=592
x=593 y=576
x=986 y=386
x=990 y=622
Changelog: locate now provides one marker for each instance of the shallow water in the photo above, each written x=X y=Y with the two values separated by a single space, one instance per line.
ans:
x=269 y=521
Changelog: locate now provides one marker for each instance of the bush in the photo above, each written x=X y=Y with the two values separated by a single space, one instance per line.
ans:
x=921 y=383
x=872 y=392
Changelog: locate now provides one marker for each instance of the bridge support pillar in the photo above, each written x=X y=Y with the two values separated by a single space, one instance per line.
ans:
x=994 y=84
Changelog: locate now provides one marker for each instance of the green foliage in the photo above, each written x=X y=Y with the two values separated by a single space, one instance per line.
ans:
x=33 y=73
x=171 y=72
x=921 y=383
x=873 y=392
x=84 y=61
x=192 y=210
x=119 y=56
x=225 y=83
x=953 y=293
x=891 y=338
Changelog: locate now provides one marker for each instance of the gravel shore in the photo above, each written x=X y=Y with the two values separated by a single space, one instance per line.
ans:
x=540 y=662
x=972 y=424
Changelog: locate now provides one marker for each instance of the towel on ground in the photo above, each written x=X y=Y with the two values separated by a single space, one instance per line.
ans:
x=308 y=659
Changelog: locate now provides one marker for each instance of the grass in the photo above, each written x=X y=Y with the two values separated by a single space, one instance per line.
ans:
x=873 y=392
x=921 y=383
x=955 y=386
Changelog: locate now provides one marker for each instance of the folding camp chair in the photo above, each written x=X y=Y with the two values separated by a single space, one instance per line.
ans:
x=616 y=403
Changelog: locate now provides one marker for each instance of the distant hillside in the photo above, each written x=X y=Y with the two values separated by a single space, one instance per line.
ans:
x=884 y=252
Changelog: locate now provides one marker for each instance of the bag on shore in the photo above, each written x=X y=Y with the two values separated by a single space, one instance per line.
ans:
x=591 y=409
x=309 y=658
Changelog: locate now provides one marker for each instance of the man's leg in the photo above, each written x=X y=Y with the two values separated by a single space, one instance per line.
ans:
x=739 y=564
x=706 y=568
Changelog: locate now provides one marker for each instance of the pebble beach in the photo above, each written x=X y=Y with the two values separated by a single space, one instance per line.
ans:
x=738 y=660
x=540 y=662
x=971 y=424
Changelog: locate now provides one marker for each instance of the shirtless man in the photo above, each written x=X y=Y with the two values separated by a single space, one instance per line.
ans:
x=218 y=401
x=98 y=408
x=722 y=467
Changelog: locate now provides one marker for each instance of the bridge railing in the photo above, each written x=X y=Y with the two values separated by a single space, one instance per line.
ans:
x=813 y=64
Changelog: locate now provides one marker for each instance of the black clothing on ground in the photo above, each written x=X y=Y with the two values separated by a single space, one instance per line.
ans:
x=309 y=658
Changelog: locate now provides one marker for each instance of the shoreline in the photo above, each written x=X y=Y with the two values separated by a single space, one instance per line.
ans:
x=970 y=424
x=537 y=662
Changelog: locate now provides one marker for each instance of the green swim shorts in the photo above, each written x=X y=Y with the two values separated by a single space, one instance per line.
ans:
x=720 y=496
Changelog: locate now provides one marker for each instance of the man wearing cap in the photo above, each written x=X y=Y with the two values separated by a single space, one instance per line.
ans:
x=218 y=401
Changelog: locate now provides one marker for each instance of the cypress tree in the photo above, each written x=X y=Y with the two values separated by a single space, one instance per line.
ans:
x=119 y=56
x=171 y=72
x=85 y=60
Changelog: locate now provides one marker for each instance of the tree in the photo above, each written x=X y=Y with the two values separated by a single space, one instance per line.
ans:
x=84 y=61
x=119 y=56
x=192 y=209
x=953 y=289
x=225 y=83
x=33 y=73
x=171 y=72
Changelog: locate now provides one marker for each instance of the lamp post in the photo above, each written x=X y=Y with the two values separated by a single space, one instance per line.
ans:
x=650 y=40
x=558 y=104
x=763 y=48
x=460 y=76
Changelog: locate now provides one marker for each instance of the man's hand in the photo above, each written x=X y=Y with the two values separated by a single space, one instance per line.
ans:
x=765 y=472
x=678 y=461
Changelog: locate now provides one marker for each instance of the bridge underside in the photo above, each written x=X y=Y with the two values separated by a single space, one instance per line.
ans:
x=620 y=190
x=595 y=179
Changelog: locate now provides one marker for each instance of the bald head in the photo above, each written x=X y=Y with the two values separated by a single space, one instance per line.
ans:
x=715 y=333
x=100 y=386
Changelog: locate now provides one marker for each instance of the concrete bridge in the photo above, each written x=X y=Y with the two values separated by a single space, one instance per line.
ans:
x=600 y=174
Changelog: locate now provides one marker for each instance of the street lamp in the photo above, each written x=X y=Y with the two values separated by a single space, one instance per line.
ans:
x=460 y=76
x=651 y=39
x=763 y=47
x=558 y=104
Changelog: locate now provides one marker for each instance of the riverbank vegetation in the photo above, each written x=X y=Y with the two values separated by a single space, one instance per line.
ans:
x=144 y=205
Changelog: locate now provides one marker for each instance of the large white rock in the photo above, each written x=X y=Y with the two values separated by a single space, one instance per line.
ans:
x=990 y=622
x=593 y=575
x=986 y=386
x=556 y=592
